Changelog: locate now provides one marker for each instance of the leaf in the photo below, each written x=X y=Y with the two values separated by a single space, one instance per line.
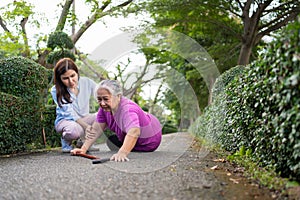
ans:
x=236 y=181
x=220 y=160
x=292 y=184
x=214 y=167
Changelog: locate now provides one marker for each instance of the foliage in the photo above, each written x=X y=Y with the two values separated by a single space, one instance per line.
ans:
x=51 y=136
x=18 y=16
x=60 y=44
x=59 y=39
x=202 y=22
x=12 y=38
x=195 y=20
x=229 y=30
x=22 y=82
x=263 y=108
x=259 y=19
x=223 y=80
x=56 y=55
x=210 y=124
x=12 y=118
x=9 y=49
x=261 y=112
x=266 y=176
x=169 y=127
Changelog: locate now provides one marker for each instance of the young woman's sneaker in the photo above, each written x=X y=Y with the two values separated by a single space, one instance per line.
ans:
x=79 y=144
x=65 y=147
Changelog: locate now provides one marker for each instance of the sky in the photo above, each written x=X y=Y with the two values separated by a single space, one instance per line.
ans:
x=94 y=36
x=98 y=35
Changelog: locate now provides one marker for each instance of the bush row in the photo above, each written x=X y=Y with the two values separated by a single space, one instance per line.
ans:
x=259 y=108
x=23 y=84
x=14 y=121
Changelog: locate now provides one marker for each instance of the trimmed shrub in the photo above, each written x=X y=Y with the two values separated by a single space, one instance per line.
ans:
x=60 y=44
x=60 y=40
x=224 y=79
x=22 y=82
x=51 y=136
x=13 y=117
x=210 y=125
x=260 y=108
x=264 y=103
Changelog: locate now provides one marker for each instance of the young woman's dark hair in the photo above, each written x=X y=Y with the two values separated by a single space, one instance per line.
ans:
x=61 y=67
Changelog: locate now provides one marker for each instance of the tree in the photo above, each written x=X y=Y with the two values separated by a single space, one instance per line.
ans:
x=230 y=30
x=195 y=20
x=257 y=19
x=13 y=22
x=260 y=18
x=208 y=25
x=15 y=16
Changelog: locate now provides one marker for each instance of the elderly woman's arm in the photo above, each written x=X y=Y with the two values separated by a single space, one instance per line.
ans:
x=92 y=133
x=128 y=144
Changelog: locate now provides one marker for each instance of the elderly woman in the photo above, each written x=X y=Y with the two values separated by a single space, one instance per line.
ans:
x=135 y=130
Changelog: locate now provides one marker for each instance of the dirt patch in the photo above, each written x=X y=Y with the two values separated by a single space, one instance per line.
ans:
x=235 y=184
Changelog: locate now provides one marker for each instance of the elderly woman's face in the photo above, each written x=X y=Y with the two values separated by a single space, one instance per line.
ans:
x=107 y=101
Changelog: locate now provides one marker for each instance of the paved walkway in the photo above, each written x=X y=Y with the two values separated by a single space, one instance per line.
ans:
x=174 y=171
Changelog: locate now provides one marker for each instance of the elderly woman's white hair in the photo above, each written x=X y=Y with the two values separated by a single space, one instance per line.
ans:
x=112 y=86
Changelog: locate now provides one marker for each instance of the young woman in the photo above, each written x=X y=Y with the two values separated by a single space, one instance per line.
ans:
x=135 y=130
x=72 y=97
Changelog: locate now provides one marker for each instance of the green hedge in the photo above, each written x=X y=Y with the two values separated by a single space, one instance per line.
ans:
x=260 y=108
x=22 y=83
x=264 y=104
x=51 y=136
x=13 y=118
x=169 y=127
x=210 y=125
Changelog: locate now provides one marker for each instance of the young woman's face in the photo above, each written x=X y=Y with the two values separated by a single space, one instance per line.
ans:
x=107 y=101
x=70 y=78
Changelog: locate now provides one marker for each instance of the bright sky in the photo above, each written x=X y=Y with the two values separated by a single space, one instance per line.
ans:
x=94 y=36
x=107 y=38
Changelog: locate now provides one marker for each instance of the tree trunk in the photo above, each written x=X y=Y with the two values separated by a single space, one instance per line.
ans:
x=212 y=80
x=245 y=54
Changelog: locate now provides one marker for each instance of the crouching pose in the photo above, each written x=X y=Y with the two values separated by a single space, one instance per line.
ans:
x=135 y=130
x=72 y=95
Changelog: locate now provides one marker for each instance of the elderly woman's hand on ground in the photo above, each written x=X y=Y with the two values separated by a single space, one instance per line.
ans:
x=120 y=157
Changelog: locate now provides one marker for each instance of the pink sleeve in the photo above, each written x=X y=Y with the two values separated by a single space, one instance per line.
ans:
x=131 y=120
x=100 y=116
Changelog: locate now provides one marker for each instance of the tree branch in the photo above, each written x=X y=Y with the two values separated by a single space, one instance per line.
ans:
x=294 y=11
x=240 y=4
x=26 y=52
x=99 y=75
x=97 y=15
x=276 y=26
x=246 y=9
x=283 y=7
x=63 y=16
x=3 y=25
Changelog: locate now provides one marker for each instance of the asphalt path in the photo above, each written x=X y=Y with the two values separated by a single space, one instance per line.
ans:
x=174 y=171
